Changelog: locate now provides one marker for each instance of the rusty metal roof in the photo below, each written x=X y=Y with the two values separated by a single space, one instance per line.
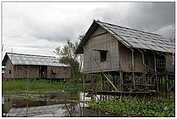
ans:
x=133 y=38
x=26 y=59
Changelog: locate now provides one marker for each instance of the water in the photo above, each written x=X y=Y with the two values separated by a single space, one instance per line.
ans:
x=62 y=104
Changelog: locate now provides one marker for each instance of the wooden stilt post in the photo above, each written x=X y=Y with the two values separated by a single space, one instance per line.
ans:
x=166 y=78
x=83 y=108
x=155 y=68
x=159 y=83
x=121 y=78
x=133 y=68
x=101 y=87
x=101 y=83
x=121 y=84
x=92 y=85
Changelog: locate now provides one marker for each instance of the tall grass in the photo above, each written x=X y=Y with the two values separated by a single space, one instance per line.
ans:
x=39 y=86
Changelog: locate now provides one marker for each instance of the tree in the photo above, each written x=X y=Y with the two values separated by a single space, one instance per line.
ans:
x=69 y=57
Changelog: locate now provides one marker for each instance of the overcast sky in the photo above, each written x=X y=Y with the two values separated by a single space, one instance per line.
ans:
x=38 y=28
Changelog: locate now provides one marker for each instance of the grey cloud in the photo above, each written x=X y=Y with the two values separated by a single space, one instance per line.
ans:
x=152 y=17
x=143 y=16
x=54 y=32
x=155 y=15
x=167 y=31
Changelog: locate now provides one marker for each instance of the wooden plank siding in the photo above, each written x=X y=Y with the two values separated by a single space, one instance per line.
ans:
x=126 y=58
x=23 y=71
x=101 y=40
x=9 y=68
x=170 y=63
x=58 y=72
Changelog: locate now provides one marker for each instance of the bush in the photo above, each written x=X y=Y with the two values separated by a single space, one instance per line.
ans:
x=135 y=107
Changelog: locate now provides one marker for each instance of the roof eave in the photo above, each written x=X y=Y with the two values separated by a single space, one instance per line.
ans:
x=91 y=29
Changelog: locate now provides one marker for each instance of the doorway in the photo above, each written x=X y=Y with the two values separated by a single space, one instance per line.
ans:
x=43 y=72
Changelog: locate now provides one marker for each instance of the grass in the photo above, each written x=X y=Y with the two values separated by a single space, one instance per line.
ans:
x=135 y=107
x=38 y=86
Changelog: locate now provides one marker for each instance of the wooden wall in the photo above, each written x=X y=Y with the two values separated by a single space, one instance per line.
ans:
x=139 y=66
x=100 y=40
x=170 y=63
x=9 y=68
x=58 y=72
x=126 y=60
x=33 y=72
x=25 y=71
x=149 y=60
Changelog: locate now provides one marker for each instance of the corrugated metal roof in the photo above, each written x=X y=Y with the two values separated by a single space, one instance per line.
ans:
x=26 y=59
x=139 y=39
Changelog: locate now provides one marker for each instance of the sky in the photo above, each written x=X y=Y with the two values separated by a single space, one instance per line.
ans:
x=40 y=27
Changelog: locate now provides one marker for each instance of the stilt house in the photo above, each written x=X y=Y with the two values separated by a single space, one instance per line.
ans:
x=25 y=66
x=129 y=53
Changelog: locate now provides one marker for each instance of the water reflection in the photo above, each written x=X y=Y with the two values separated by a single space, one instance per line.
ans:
x=61 y=104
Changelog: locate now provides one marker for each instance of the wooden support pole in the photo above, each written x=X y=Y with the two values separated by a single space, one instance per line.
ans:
x=106 y=76
x=83 y=84
x=155 y=70
x=83 y=79
x=101 y=87
x=110 y=81
x=92 y=82
x=101 y=82
x=121 y=79
x=142 y=54
x=155 y=65
x=166 y=78
x=133 y=68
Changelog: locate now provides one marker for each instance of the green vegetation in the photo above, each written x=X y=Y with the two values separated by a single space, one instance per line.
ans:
x=126 y=106
x=129 y=106
x=39 y=86
x=67 y=56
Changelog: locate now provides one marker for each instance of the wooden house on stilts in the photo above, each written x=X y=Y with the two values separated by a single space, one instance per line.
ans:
x=126 y=59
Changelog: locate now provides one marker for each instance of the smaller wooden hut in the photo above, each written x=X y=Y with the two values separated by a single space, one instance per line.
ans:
x=25 y=66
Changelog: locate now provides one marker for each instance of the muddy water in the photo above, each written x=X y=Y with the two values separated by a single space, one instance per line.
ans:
x=63 y=104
